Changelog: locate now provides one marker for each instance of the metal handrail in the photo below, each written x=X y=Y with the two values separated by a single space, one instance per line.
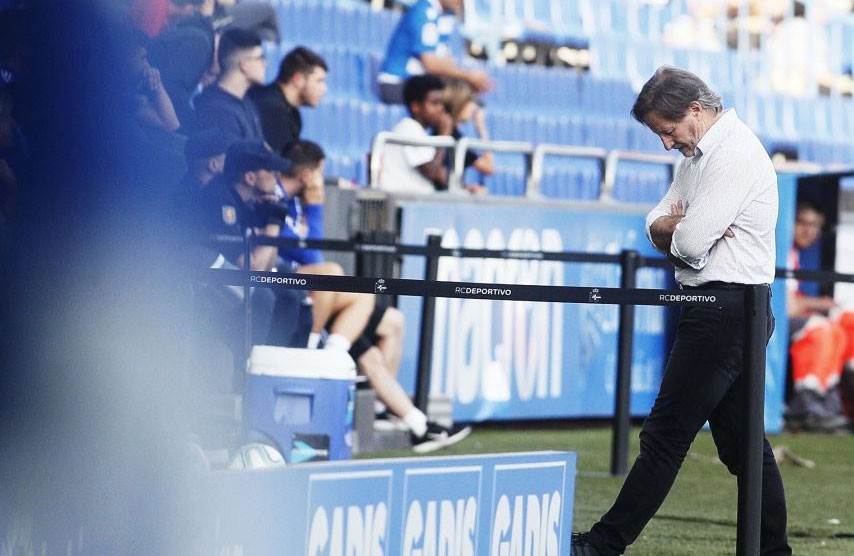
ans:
x=532 y=188
x=535 y=159
x=614 y=158
x=798 y=167
x=464 y=144
x=384 y=137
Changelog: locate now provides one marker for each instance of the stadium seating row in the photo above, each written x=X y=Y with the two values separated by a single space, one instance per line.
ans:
x=552 y=105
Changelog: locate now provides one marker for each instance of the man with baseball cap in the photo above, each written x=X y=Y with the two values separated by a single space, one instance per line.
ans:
x=205 y=156
x=251 y=193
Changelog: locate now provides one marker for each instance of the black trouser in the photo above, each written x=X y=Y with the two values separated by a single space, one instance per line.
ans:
x=703 y=381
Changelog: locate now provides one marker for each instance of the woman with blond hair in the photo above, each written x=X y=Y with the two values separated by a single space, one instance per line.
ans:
x=461 y=105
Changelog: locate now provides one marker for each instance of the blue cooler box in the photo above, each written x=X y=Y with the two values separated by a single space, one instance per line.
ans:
x=302 y=401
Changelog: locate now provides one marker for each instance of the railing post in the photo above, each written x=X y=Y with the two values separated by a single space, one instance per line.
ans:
x=247 y=291
x=622 y=417
x=750 y=479
x=428 y=317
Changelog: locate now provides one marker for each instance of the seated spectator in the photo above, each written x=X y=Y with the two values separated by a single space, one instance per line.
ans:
x=152 y=106
x=461 y=105
x=301 y=82
x=205 y=153
x=247 y=196
x=184 y=54
x=380 y=362
x=223 y=104
x=377 y=349
x=343 y=314
x=419 y=45
x=407 y=169
x=820 y=346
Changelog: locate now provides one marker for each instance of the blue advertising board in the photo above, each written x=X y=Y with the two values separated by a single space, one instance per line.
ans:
x=504 y=360
x=518 y=359
x=454 y=506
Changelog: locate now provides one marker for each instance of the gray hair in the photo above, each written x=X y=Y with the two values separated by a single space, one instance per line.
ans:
x=670 y=91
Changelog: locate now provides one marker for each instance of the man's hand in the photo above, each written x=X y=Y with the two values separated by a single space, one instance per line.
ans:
x=273 y=213
x=151 y=76
x=661 y=230
x=480 y=81
x=314 y=192
x=445 y=125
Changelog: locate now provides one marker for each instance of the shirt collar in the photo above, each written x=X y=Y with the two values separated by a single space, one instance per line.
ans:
x=717 y=133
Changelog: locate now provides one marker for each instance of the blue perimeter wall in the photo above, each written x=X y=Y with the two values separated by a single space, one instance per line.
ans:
x=506 y=360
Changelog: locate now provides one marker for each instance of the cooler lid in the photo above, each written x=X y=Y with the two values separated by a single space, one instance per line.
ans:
x=301 y=362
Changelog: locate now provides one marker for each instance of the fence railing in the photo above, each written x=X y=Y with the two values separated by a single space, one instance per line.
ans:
x=754 y=300
x=535 y=155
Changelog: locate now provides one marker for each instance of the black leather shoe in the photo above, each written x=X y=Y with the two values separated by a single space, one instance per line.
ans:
x=581 y=546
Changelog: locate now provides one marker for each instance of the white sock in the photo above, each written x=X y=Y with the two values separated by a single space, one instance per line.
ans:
x=337 y=341
x=379 y=407
x=313 y=340
x=416 y=421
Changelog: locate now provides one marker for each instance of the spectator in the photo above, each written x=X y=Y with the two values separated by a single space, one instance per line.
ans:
x=205 y=153
x=152 y=105
x=224 y=104
x=301 y=82
x=380 y=362
x=409 y=169
x=182 y=47
x=819 y=346
x=344 y=313
x=377 y=348
x=461 y=105
x=797 y=54
x=347 y=313
x=419 y=45
x=247 y=196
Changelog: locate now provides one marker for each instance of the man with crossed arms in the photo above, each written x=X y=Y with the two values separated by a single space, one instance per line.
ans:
x=716 y=225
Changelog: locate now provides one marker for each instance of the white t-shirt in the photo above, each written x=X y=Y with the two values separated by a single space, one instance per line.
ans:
x=400 y=163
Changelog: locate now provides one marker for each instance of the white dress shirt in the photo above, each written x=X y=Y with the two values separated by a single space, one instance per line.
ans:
x=730 y=183
x=400 y=163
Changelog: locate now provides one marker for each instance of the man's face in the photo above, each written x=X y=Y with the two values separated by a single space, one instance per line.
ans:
x=451 y=5
x=682 y=135
x=139 y=61
x=265 y=183
x=808 y=225
x=314 y=87
x=430 y=112
x=254 y=64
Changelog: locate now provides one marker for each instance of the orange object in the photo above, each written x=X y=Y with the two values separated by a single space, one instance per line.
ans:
x=846 y=322
x=818 y=354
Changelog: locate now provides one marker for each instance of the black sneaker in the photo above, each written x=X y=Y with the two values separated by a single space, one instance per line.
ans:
x=580 y=546
x=438 y=437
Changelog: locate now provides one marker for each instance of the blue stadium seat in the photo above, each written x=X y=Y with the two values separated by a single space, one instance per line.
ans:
x=608 y=55
x=554 y=105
